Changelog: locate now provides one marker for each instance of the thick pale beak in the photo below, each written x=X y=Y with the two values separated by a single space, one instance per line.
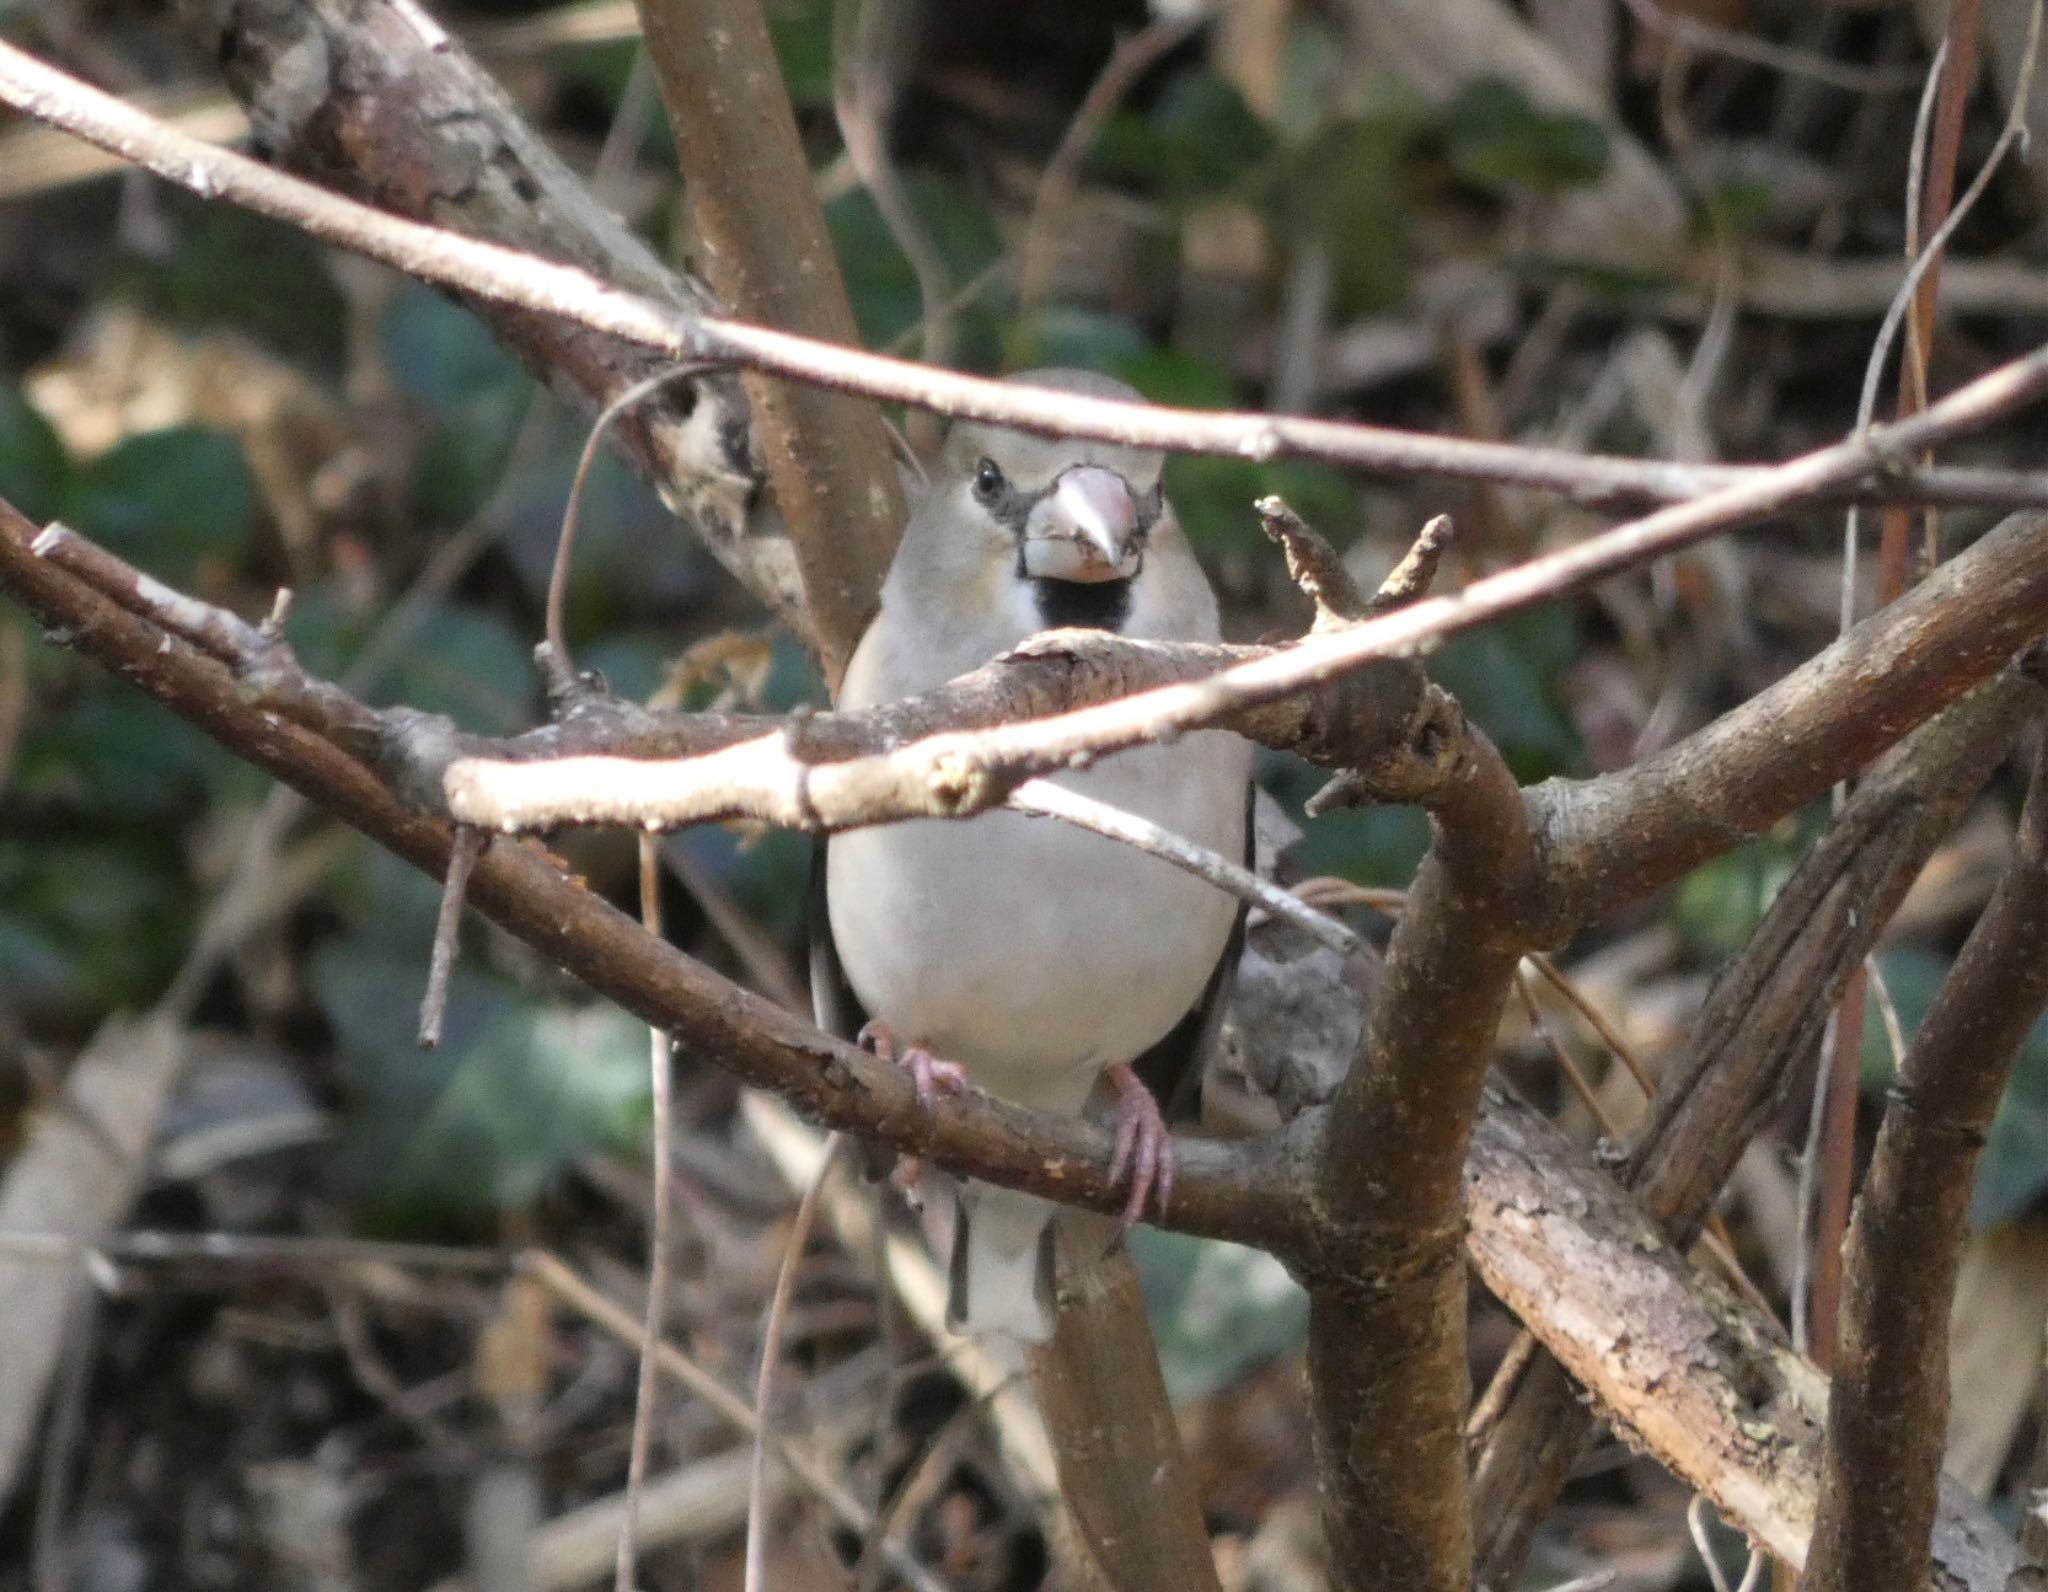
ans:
x=1085 y=530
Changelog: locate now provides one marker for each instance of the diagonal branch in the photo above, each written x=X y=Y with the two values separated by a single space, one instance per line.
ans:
x=1890 y=1406
x=1758 y=1029
x=1607 y=841
x=377 y=101
x=1250 y=1193
x=1243 y=1192
x=1620 y=837
x=1875 y=464
x=1693 y=1374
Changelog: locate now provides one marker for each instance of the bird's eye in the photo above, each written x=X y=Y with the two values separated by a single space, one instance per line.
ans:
x=988 y=481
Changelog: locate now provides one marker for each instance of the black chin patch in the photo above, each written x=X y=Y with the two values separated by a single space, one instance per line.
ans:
x=1083 y=604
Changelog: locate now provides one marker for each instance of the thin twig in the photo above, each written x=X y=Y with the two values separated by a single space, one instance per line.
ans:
x=1042 y=798
x=469 y=845
x=1739 y=46
x=957 y=774
x=869 y=43
x=661 y=1092
x=249 y=1251
x=764 y=1381
x=507 y=276
x=1130 y=59
x=1696 y=1524
x=586 y=1301
x=559 y=668
x=1410 y=580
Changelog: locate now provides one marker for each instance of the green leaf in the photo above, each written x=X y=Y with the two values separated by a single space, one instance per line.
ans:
x=1504 y=674
x=1198 y=141
x=2013 y=1175
x=802 y=34
x=34 y=469
x=1074 y=336
x=231 y=268
x=439 y=351
x=461 y=660
x=1378 y=846
x=470 y=664
x=465 y=455
x=115 y=752
x=168 y=500
x=1174 y=376
x=1494 y=137
x=520 y=1088
x=1218 y=1310
x=1720 y=905
x=92 y=922
x=1351 y=187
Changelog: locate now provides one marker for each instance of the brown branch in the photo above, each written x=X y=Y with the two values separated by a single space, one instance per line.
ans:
x=1690 y=1371
x=1386 y=1347
x=1238 y=1191
x=1871 y=465
x=1758 y=1029
x=365 y=98
x=1245 y=1193
x=1615 y=839
x=1607 y=841
x=1890 y=1405
x=769 y=257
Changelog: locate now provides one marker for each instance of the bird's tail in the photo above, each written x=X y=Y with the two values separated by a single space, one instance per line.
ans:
x=1002 y=1264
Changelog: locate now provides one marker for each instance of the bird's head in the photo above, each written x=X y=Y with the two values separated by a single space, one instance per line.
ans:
x=1054 y=527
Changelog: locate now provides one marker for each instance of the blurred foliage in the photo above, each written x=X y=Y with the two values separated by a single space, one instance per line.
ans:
x=519 y=1088
x=34 y=469
x=97 y=907
x=235 y=271
x=1218 y=1310
x=167 y=500
x=1721 y=903
x=886 y=303
x=1198 y=141
x=2014 y=1172
x=1493 y=137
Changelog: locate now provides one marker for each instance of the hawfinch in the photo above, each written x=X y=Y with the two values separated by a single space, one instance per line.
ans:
x=1019 y=954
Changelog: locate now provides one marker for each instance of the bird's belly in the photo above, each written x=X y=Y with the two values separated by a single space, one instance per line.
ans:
x=1033 y=953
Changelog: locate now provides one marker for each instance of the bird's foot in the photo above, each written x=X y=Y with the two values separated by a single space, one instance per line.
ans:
x=929 y=1078
x=1142 y=1144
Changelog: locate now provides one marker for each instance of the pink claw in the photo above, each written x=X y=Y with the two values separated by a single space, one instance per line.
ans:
x=1143 y=1144
x=929 y=1076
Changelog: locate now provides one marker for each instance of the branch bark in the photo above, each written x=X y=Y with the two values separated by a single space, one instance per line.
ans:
x=1759 y=1027
x=1616 y=839
x=769 y=258
x=1251 y=1193
x=1875 y=463
x=1386 y=1345
x=1890 y=1406
x=1690 y=1372
x=378 y=102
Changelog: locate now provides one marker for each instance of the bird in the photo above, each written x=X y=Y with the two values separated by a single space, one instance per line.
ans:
x=1024 y=956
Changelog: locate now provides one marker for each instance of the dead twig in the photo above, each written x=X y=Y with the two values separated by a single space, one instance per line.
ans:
x=506 y=276
x=469 y=845
x=764 y=1381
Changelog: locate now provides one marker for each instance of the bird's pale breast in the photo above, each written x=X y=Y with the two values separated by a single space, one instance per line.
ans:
x=1033 y=953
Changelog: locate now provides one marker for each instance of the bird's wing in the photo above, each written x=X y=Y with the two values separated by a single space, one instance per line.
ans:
x=1172 y=1069
x=834 y=1006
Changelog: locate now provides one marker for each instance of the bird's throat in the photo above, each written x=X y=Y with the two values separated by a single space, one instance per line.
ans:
x=1087 y=605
